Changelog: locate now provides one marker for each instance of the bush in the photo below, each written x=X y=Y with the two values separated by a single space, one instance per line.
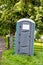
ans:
x=37 y=36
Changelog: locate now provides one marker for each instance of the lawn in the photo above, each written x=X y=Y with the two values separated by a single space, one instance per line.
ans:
x=9 y=58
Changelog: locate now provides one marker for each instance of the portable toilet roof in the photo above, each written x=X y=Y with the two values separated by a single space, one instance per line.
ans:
x=26 y=19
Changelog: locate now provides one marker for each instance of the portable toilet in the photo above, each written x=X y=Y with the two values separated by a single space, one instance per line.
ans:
x=24 y=41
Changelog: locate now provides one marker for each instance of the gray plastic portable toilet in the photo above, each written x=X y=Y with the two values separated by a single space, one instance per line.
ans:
x=24 y=41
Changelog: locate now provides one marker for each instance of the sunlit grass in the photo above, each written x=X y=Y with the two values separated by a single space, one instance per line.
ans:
x=39 y=44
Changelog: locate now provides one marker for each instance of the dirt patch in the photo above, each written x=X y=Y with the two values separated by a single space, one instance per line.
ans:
x=2 y=43
x=2 y=46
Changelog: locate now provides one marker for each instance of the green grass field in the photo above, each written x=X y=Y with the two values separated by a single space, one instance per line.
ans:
x=9 y=58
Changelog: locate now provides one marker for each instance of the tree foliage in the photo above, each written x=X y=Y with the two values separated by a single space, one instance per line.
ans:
x=13 y=10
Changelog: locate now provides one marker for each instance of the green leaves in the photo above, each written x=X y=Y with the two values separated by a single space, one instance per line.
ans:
x=13 y=10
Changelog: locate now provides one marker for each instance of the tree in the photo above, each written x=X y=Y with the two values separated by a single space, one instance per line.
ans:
x=16 y=9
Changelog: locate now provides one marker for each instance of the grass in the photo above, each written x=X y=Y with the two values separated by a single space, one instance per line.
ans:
x=38 y=47
x=9 y=58
x=38 y=44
